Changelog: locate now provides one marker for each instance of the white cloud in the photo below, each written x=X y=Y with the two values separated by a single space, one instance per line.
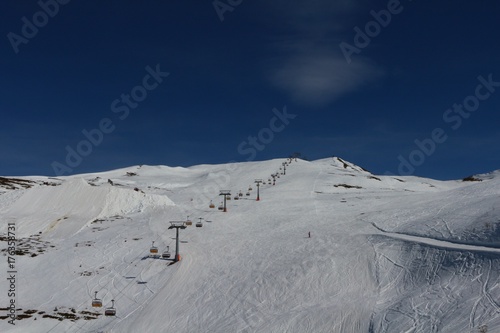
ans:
x=309 y=66
x=321 y=77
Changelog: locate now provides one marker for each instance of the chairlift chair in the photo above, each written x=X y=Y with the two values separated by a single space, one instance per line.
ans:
x=211 y=204
x=236 y=197
x=249 y=188
x=221 y=207
x=96 y=302
x=153 y=249
x=248 y=194
x=166 y=253
x=240 y=194
x=199 y=224
x=111 y=311
x=228 y=197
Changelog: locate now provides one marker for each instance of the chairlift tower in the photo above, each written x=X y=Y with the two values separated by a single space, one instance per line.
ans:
x=225 y=193
x=177 y=225
x=274 y=178
x=258 y=182
x=284 y=168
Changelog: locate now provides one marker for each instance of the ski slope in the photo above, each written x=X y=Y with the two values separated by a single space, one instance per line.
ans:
x=386 y=253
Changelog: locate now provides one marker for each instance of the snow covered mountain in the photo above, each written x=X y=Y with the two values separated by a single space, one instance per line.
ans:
x=386 y=253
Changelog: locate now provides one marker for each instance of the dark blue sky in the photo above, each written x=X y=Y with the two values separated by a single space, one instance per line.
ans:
x=80 y=66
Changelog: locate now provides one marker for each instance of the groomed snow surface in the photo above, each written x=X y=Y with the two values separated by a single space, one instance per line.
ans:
x=386 y=253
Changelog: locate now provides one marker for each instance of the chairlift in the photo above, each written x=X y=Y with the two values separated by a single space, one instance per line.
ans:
x=153 y=248
x=166 y=253
x=248 y=194
x=188 y=221
x=249 y=188
x=96 y=302
x=211 y=204
x=221 y=207
x=228 y=197
x=111 y=311
x=199 y=224
x=236 y=197
x=240 y=194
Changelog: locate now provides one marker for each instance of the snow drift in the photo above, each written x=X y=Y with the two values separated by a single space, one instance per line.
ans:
x=63 y=210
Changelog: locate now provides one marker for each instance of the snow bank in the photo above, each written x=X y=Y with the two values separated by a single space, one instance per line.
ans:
x=76 y=203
